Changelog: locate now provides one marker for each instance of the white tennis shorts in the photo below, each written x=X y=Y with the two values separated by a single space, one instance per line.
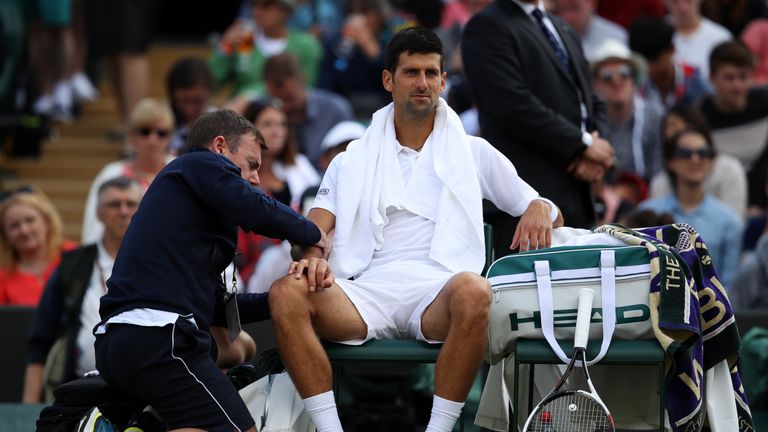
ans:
x=391 y=299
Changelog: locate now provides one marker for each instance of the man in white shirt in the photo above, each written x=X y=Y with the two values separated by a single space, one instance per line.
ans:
x=695 y=36
x=404 y=204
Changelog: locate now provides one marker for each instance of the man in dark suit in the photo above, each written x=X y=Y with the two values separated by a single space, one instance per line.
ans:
x=532 y=87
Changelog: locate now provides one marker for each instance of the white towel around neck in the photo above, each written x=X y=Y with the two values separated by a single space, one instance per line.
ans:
x=369 y=186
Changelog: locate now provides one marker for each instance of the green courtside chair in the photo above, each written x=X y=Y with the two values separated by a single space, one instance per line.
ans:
x=395 y=350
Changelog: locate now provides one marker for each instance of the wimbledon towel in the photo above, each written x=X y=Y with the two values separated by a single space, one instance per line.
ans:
x=370 y=185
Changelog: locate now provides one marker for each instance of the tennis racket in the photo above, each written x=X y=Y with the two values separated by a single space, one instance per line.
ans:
x=573 y=410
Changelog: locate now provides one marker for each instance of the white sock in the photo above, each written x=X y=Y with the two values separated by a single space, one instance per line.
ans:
x=322 y=410
x=444 y=414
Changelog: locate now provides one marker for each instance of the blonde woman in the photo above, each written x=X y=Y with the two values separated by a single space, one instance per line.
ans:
x=30 y=245
x=149 y=137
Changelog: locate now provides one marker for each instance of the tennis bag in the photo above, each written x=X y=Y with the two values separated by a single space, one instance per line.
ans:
x=535 y=295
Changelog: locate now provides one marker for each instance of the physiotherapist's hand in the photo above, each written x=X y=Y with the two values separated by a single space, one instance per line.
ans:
x=534 y=231
x=324 y=244
x=321 y=249
x=319 y=274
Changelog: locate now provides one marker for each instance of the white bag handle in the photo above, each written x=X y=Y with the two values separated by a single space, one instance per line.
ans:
x=608 y=295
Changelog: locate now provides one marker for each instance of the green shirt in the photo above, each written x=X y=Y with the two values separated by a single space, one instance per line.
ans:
x=245 y=70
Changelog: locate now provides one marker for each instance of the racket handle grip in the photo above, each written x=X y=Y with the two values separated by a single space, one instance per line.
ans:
x=583 y=317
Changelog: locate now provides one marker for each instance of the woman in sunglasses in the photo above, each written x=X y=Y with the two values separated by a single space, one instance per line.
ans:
x=149 y=137
x=689 y=156
x=727 y=180
x=30 y=245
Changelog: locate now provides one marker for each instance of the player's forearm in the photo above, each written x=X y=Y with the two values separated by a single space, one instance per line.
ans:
x=299 y=252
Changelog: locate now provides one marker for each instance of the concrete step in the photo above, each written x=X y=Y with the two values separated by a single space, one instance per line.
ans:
x=55 y=152
x=69 y=209
x=71 y=167
x=90 y=146
x=105 y=104
x=92 y=127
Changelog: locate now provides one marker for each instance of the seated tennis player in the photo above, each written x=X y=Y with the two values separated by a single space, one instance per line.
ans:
x=405 y=205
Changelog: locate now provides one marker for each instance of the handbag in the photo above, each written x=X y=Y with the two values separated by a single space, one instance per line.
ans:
x=535 y=293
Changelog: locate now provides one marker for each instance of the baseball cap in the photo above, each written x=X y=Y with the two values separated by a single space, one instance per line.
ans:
x=343 y=132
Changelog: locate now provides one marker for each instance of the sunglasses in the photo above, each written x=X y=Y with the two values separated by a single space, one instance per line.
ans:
x=116 y=204
x=623 y=72
x=685 y=153
x=161 y=133
x=5 y=195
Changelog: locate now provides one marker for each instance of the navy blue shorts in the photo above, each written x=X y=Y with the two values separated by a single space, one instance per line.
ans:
x=170 y=368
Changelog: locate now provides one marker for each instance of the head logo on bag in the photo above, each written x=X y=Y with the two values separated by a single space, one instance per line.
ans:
x=628 y=314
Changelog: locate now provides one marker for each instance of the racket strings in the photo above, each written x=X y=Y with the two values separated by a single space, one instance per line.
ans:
x=571 y=412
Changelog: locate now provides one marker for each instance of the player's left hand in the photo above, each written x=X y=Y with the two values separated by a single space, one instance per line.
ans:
x=534 y=231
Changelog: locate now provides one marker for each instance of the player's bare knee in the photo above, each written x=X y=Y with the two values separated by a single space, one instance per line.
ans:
x=470 y=296
x=286 y=296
